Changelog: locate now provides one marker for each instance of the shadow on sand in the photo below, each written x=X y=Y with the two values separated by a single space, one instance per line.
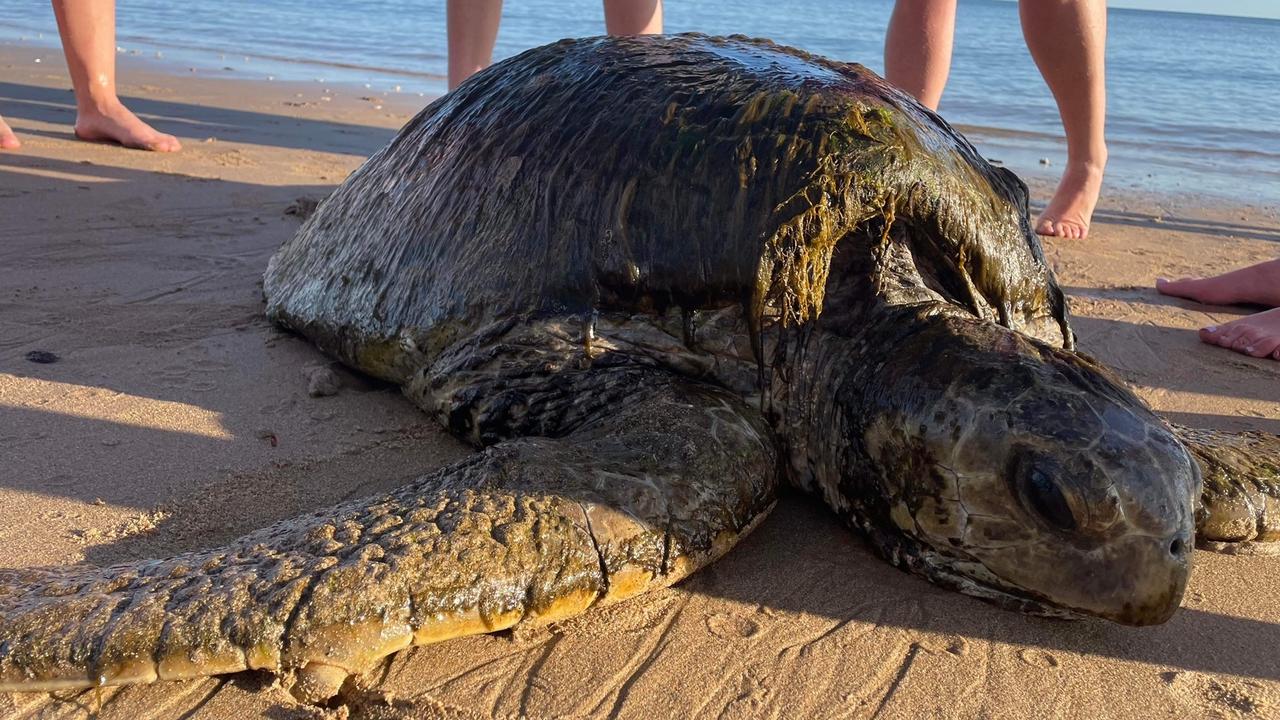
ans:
x=187 y=121
x=1199 y=226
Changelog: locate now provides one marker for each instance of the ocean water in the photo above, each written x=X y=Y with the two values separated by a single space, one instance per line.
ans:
x=1193 y=100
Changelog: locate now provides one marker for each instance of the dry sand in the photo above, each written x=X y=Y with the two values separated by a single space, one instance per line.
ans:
x=176 y=418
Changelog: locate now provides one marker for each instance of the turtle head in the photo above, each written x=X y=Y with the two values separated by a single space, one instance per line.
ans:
x=1025 y=474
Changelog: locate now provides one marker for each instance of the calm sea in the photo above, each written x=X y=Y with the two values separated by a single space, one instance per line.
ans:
x=1194 y=100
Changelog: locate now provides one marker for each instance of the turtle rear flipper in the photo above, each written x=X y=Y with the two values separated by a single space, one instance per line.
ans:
x=526 y=531
x=1240 y=506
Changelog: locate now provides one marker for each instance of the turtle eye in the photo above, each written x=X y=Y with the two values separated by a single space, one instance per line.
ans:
x=1046 y=498
x=1033 y=479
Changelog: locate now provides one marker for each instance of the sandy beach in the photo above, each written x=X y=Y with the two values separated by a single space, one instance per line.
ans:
x=176 y=418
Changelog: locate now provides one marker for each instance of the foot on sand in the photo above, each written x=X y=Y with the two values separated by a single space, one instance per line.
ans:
x=1254 y=285
x=1069 y=212
x=1257 y=335
x=115 y=123
x=8 y=141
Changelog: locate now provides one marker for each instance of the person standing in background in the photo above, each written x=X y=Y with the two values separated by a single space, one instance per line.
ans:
x=88 y=31
x=1067 y=40
x=473 y=30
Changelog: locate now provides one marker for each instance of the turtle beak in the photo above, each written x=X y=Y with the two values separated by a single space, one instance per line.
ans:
x=1164 y=566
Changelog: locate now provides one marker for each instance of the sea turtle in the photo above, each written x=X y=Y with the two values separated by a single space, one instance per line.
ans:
x=650 y=279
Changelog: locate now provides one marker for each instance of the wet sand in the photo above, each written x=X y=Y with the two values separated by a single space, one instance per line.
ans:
x=176 y=418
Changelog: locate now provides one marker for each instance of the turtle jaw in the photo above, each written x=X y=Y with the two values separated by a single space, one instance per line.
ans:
x=1161 y=568
x=1137 y=580
x=1151 y=600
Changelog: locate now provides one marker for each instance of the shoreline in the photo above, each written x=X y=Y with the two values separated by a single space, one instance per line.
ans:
x=152 y=56
x=1136 y=170
x=176 y=419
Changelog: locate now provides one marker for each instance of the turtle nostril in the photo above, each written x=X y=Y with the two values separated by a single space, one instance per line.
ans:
x=1177 y=547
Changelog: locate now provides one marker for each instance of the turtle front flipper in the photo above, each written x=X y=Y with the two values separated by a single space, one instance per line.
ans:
x=1239 y=509
x=654 y=486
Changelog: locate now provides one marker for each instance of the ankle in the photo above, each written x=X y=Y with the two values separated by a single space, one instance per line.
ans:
x=1094 y=161
x=101 y=106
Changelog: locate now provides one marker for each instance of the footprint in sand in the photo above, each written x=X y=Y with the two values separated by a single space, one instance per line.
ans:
x=61 y=515
x=1208 y=696
x=730 y=626
x=61 y=481
x=639 y=616
x=173 y=376
x=1038 y=658
x=209 y=364
x=178 y=377
x=952 y=645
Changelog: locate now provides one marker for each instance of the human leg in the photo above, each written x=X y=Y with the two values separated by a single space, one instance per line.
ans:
x=473 y=30
x=633 y=17
x=917 y=47
x=88 y=30
x=1067 y=39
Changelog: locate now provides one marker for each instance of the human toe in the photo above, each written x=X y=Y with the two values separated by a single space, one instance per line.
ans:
x=1168 y=286
x=1044 y=226
x=1229 y=334
x=1263 y=347
x=8 y=141
x=162 y=143
x=1244 y=341
x=1182 y=287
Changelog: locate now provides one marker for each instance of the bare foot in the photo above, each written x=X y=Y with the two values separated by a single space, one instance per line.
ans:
x=1257 y=335
x=8 y=141
x=115 y=123
x=1071 y=208
x=1256 y=285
